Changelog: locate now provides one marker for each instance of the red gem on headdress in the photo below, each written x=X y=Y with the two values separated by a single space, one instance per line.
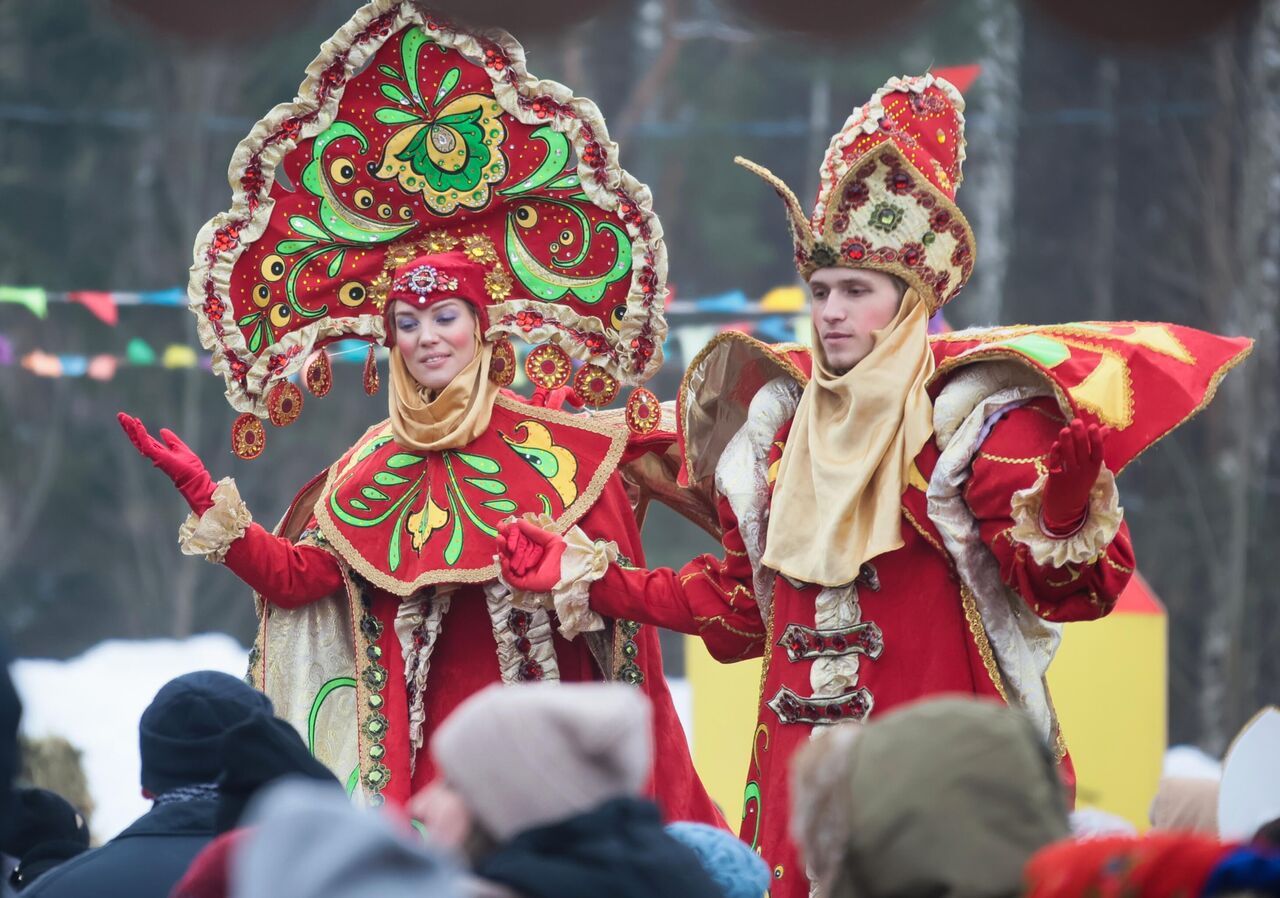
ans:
x=284 y=404
x=596 y=386
x=548 y=367
x=854 y=250
x=248 y=436
x=502 y=363
x=643 y=411
x=900 y=182
x=371 y=380
x=318 y=374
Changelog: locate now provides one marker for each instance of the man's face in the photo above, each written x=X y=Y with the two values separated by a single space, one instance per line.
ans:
x=849 y=305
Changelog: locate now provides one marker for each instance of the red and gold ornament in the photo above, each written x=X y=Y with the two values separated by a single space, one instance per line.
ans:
x=596 y=386
x=319 y=373
x=371 y=380
x=548 y=366
x=248 y=436
x=284 y=403
x=502 y=363
x=643 y=411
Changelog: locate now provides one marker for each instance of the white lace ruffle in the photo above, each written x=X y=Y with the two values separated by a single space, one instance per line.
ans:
x=211 y=534
x=1088 y=543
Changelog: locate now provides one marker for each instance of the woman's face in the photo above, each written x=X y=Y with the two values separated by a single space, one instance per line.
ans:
x=436 y=342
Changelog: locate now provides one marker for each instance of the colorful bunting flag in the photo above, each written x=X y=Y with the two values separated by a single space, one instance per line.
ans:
x=34 y=298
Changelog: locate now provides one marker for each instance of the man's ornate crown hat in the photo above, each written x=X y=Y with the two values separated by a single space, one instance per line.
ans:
x=411 y=137
x=887 y=189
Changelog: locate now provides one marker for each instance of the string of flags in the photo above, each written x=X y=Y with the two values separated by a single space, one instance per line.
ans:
x=780 y=316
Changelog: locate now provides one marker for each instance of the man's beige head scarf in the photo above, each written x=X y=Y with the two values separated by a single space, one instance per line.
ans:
x=854 y=439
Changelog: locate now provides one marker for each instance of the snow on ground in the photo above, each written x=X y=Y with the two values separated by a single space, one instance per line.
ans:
x=94 y=702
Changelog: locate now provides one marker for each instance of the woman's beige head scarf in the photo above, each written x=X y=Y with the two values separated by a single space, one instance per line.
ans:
x=854 y=439
x=446 y=420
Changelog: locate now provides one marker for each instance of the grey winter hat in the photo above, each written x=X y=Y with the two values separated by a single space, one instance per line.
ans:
x=308 y=841
x=526 y=756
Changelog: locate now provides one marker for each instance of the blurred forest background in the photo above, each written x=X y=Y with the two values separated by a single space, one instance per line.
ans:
x=1124 y=168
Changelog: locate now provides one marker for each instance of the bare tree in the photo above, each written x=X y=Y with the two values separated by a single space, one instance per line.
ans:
x=993 y=146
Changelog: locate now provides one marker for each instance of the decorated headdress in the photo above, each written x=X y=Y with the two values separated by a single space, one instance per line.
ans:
x=413 y=137
x=887 y=189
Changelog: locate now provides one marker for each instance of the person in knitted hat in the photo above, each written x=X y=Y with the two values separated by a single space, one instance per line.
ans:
x=900 y=514
x=44 y=831
x=735 y=868
x=539 y=787
x=944 y=798
x=443 y=240
x=180 y=736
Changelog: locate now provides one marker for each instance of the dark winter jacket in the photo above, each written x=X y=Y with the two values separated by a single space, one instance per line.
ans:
x=144 y=861
x=619 y=849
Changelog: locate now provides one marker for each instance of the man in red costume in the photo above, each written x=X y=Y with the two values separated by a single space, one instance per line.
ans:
x=900 y=517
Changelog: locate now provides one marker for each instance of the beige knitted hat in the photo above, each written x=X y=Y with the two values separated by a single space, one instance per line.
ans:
x=529 y=755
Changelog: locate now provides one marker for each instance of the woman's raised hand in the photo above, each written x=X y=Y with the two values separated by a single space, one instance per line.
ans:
x=175 y=459
x=529 y=556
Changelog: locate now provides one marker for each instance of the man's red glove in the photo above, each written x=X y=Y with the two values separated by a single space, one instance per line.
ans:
x=1074 y=462
x=529 y=556
x=175 y=459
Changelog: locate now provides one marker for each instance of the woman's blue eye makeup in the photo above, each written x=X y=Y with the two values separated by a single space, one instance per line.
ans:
x=405 y=324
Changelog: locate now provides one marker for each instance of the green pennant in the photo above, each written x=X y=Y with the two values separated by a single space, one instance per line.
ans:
x=138 y=352
x=34 y=298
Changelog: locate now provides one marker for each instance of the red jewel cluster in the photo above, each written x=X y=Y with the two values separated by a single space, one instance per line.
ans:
x=853 y=708
x=545 y=107
x=867 y=639
x=495 y=59
x=239 y=368
x=278 y=360
x=630 y=212
x=520 y=621
x=642 y=351
x=528 y=320
x=252 y=182
x=593 y=154
x=411 y=673
x=213 y=307
x=596 y=343
x=225 y=238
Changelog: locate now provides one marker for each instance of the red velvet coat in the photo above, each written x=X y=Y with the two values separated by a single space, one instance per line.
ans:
x=290 y=575
x=920 y=625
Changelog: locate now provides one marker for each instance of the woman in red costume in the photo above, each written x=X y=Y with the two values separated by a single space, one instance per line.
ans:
x=438 y=199
x=900 y=515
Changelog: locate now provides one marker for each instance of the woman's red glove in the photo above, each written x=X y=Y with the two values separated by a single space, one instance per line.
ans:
x=557 y=398
x=175 y=459
x=529 y=556
x=1074 y=462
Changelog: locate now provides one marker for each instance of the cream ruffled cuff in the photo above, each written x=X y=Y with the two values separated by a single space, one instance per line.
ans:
x=212 y=533
x=584 y=562
x=1086 y=545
